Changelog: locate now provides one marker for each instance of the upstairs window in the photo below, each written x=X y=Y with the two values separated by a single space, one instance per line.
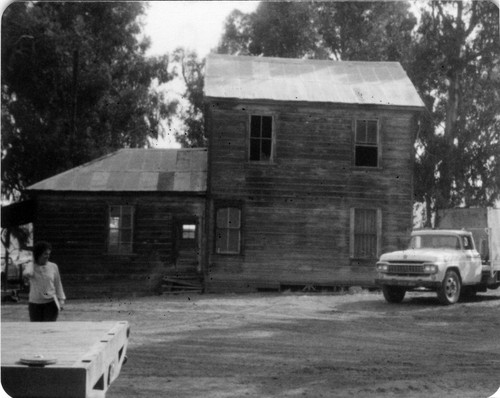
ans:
x=366 y=143
x=228 y=231
x=365 y=233
x=121 y=228
x=261 y=138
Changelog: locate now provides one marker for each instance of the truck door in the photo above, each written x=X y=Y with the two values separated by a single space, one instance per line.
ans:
x=471 y=266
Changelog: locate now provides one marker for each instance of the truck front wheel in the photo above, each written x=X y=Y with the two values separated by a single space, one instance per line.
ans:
x=449 y=291
x=393 y=294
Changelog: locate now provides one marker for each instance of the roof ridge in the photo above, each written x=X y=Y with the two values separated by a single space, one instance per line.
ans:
x=298 y=60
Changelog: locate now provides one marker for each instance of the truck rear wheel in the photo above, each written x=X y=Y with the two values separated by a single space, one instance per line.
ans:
x=393 y=294
x=449 y=291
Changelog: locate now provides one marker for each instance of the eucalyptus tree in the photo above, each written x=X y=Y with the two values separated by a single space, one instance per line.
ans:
x=456 y=68
x=191 y=70
x=76 y=84
x=322 y=30
x=280 y=29
x=366 y=31
x=237 y=35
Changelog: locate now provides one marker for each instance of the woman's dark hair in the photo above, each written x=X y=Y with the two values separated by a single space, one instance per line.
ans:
x=39 y=248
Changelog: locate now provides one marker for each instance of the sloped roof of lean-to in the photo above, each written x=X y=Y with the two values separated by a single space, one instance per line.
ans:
x=287 y=79
x=158 y=170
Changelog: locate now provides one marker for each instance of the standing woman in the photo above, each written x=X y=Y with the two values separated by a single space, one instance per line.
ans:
x=46 y=296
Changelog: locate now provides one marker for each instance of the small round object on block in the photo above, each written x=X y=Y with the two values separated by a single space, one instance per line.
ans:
x=37 y=360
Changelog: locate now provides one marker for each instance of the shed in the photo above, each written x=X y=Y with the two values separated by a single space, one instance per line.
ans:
x=310 y=170
x=121 y=223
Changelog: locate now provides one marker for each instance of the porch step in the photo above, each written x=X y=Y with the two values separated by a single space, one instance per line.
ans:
x=181 y=284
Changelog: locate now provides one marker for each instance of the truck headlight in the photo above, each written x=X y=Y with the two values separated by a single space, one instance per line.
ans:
x=382 y=267
x=431 y=268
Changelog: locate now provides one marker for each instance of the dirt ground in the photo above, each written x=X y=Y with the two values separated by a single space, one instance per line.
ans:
x=297 y=345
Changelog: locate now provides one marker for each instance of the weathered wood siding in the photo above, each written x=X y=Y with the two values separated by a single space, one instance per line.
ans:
x=76 y=226
x=296 y=211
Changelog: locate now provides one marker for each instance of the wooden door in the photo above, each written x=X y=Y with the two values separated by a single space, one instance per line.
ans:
x=187 y=246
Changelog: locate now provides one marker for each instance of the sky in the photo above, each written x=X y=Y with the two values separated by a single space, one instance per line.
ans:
x=195 y=25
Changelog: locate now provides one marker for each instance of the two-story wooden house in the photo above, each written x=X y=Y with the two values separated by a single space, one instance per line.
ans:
x=309 y=170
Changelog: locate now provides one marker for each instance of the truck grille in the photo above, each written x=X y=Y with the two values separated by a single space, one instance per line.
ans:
x=406 y=268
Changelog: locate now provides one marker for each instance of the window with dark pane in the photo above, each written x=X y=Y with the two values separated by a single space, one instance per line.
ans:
x=366 y=145
x=120 y=229
x=228 y=230
x=365 y=233
x=261 y=138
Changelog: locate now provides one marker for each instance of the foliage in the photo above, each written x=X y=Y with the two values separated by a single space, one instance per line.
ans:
x=366 y=31
x=456 y=68
x=237 y=35
x=75 y=85
x=21 y=234
x=191 y=70
x=283 y=29
x=322 y=30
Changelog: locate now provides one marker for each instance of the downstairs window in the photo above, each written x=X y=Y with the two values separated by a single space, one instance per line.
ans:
x=120 y=229
x=228 y=230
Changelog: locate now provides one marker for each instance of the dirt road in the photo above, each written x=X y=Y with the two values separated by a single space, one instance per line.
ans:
x=294 y=345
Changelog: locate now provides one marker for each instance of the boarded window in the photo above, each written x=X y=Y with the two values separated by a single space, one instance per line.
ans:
x=121 y=228
x=228 y=231
x=365 y=233
x=366 y=143
x=261 y=138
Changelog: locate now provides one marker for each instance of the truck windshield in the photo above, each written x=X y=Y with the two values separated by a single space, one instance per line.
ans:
x=434 y=242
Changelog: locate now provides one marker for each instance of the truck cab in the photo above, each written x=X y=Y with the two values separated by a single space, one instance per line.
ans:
x=444 y=261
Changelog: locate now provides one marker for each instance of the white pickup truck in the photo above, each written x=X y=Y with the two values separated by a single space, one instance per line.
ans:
x=445 y=261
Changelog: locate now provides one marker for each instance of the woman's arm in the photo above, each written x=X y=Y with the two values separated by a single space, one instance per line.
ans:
x=58 y=286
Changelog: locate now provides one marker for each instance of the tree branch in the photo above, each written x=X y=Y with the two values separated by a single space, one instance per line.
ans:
x=473 y=19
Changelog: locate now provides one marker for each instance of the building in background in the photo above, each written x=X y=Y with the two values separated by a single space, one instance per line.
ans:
x=125 y=223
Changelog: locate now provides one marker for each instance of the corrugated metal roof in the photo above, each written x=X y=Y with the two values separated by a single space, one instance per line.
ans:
x=165 y=170
x=287 y=79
